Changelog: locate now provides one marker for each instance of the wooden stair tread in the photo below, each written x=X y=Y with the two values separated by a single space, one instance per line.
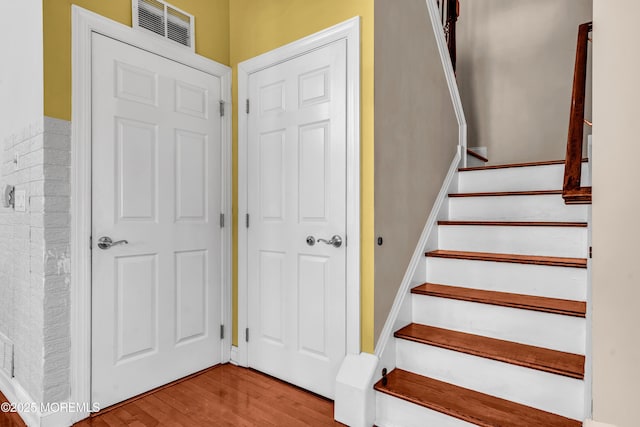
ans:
x=516 y=165
x=468 y=405
x=477 y=156
x=510 y=258
x=508 y=193
x=504 y=299
x=516 y=223
x=542 y=359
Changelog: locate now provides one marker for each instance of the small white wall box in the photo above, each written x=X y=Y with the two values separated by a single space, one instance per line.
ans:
x=20 y=201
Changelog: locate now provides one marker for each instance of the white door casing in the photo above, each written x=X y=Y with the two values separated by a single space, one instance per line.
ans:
x=156 y=183
x=299 y=177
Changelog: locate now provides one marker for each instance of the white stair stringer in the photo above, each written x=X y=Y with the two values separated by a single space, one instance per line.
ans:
x=523 y=240
x=542 y=390
x=546 y=207
x=539 y=280
x=527 y=178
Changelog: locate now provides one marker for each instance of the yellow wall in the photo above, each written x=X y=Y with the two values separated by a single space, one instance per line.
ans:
x=258 y=26
x=212 y=40
x=231 y=31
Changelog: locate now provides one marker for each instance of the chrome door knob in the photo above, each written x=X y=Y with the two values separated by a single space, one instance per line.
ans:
x=105 y=243
x=336 y=241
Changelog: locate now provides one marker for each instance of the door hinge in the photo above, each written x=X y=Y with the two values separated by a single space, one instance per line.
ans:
x=221 y=108
x=221 y=220
x=247 y=220
x=90 y=242
x=590 y=252
x=246 y=335
x=221 y=332
x=247 y=105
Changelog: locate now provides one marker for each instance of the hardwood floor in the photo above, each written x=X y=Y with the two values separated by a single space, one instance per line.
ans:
x=222 y=396
x=9 y=419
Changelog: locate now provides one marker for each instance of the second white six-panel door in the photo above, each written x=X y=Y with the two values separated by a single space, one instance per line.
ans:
x=297 y=193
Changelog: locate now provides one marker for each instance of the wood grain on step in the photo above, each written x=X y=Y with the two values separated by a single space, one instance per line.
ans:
x=508 y=193
x=468 y=405
x=515 y=165
x=477 y=156
x=516 y=223
x=510 y=258
x=543 y=359
x=504 y=299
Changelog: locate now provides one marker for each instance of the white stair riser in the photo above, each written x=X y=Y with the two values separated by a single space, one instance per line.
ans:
x=554 y=331
x=539 y=280
x=547 y=241
x=394 y=412
x=548 y=177
x=549 y=207
x=549 y=392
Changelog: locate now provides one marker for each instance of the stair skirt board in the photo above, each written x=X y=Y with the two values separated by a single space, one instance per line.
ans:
x=527 y=178
x=515 y=208
x=539 y=280
x=553 y=331
x=537 y=240
x=541 y=390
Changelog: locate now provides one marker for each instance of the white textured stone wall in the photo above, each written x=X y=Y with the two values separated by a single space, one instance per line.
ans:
x=34 y=258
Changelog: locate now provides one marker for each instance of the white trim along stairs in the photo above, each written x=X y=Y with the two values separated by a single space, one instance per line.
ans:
x=495 y=324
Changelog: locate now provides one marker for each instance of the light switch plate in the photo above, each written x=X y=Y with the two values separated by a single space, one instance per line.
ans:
x=21 y=200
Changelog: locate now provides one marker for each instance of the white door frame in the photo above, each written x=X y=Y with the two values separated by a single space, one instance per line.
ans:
x=84 y=23
x=349 y=31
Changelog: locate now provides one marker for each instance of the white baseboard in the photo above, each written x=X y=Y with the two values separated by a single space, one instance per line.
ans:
x=63 y=414
x=234 y=356
x=7 y=387
x=400 y=306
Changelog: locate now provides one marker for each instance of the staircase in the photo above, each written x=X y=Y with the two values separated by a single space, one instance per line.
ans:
x=498 y=332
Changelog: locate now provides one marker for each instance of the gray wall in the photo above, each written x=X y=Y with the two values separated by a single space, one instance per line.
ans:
x=416 y=135
x=515 y=72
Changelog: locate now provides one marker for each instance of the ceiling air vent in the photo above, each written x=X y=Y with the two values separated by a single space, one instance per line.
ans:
x=165 y=20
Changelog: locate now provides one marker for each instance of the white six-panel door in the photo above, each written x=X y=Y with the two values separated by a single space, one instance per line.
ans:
x=156 y=149
x=296 y=190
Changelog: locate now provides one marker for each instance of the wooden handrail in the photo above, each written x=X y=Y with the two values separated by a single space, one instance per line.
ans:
x=453 y=11
x=572 y=191
x=449 y=13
